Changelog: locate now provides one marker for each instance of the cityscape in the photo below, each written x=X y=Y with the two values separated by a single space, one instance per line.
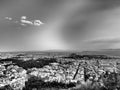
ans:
x=28 y=71
x=59 y=44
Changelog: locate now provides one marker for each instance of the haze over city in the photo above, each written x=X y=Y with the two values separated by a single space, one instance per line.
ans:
x=27 y=25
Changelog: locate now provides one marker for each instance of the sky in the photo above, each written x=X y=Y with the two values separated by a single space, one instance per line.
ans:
x=68 y=25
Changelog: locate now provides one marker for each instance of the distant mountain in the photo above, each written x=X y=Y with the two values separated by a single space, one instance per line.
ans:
x=111 y=52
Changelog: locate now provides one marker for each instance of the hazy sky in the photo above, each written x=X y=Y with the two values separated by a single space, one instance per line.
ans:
x=59 y=25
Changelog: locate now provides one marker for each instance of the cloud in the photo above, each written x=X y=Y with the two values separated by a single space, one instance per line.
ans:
x=105 y=43
x=108 y=41
x=23 y=17
x=24 y=21
x=23 y=24
x=33 y=22
x=37 y=22
x=8 y=18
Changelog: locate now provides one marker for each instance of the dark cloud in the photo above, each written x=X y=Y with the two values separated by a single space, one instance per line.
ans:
x=103 y=43
x=81 y=20
x=106 y=41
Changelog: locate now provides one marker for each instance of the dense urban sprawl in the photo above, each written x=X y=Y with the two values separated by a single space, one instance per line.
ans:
x=32 y=72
